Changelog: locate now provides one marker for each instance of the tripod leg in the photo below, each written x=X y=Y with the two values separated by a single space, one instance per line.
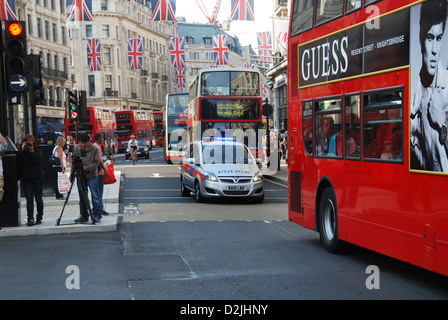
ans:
x=58 y=221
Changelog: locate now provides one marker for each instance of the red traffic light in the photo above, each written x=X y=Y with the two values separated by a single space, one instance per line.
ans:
x=15 y=29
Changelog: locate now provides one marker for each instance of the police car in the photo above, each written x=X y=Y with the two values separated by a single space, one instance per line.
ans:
x=213 y=169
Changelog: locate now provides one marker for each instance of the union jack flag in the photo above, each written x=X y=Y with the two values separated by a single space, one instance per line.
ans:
x=135 y=52
x=263 y=88
x=213 y=66
x=180 y=76
x=163 y=10
x=248 y=66
x=94 y=54
x=177 y=52
x=242 y=10
x=264 y=41
x=79 y=10
x=8 y=10
x=220 y=50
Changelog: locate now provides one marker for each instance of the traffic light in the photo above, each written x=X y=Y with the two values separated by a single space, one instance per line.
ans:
x=15 y=56
x=72 y=105
x=82 y=105
x=35 y=80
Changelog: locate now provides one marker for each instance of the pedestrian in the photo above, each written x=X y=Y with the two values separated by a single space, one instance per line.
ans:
x=31 y=174
x=58 y=151
x=90 y=161
x=3 y=146
x=110 y=149
x=102 y=171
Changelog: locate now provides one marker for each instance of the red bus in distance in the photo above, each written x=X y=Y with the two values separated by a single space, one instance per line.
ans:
x=101 y=120
x=158 y=121
x=139 y=123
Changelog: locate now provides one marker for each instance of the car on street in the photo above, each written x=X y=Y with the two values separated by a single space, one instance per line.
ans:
x=213 y=169
x=143 y=150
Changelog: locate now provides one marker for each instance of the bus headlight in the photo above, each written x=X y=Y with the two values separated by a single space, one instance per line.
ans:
x=258 y=176
x=210 y=176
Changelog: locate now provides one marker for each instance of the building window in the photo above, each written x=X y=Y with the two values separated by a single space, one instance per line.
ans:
x=106 y=32
x=39 y=27
x=55 y=33
x=104 y=4
x=91 y=85
x=88 y=31
x=47 y=30
x=106 y=56
x=64 y=40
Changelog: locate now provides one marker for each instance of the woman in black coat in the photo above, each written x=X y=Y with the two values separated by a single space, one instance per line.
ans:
x=32 y=177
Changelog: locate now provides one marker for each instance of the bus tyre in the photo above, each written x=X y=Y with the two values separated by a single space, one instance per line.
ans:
x=183 y=191
x=197 y=193
x=328 y=221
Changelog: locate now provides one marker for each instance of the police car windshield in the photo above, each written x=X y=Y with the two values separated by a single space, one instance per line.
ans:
x=225 y=154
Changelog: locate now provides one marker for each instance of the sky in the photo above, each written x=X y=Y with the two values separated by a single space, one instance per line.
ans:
x=245 y=30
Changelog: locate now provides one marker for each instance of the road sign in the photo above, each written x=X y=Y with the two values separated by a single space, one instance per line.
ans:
x=18 y=83
x=74 y=115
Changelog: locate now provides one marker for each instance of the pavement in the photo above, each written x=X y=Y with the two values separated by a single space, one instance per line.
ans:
x=280 y=176
x=53 y=209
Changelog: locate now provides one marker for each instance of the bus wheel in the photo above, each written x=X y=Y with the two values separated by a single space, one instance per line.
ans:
x=328 y=221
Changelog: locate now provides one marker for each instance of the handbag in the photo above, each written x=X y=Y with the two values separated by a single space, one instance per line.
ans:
x=54 y=160
x=110 y=174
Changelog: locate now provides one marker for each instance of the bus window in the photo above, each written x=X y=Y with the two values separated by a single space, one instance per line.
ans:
x=244 y=84
x=383 y=126
x=308 y=126
x=328 y=127
x=215 y=84
x=328 y=9
x=353 y=5
x=302 y=16
x=367 y=2
x=352 y=127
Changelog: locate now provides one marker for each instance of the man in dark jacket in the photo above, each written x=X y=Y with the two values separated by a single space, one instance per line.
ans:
x=90 y=163
x=29 y=158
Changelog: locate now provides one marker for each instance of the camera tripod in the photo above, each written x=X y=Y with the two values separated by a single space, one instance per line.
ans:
x=79 y=176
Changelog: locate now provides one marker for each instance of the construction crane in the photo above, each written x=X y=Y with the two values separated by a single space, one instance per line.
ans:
x=211 y=18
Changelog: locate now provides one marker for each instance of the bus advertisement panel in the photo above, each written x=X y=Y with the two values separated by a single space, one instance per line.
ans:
x=158 y=122
x=138 y=123
x=175 y=117
x=367 y=122
x=101 y=120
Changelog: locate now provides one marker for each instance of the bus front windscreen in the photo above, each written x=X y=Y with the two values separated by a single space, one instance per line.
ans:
x=124 y=130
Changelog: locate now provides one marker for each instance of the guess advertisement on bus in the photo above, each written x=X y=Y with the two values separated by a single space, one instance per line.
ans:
x=356 y=51
x=429 y=88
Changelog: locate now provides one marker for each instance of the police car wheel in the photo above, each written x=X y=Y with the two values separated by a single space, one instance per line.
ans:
x=183 y=190
x=197 y=192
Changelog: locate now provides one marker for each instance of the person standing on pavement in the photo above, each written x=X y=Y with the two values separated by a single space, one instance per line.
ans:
x=29 y=159
x=102 y=171
x=58 y=151
x=3 y=146
x=90 y=164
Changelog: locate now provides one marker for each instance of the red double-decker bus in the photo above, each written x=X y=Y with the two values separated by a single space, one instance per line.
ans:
x=158 y=122
x=227 y=103
x=101 y=120
x=139 y=123
x=367 y=125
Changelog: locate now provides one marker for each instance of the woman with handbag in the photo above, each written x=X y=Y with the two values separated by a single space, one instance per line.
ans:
x=29 y=158
x=59 y=153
